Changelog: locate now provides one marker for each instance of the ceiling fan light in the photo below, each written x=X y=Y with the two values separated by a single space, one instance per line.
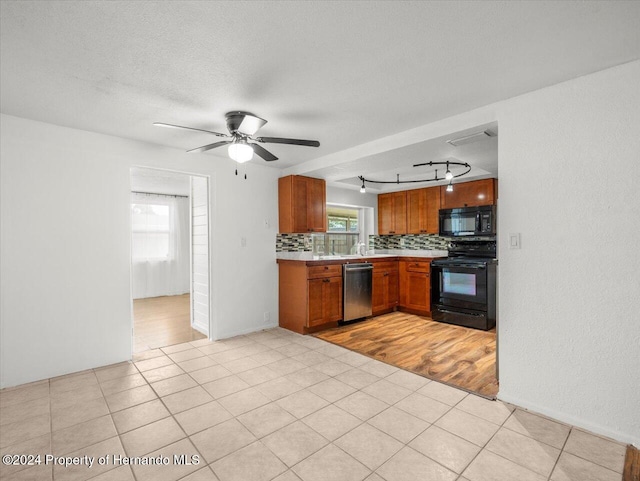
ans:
x=241 y=152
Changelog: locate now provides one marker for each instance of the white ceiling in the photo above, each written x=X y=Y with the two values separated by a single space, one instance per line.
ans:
x=344 y=73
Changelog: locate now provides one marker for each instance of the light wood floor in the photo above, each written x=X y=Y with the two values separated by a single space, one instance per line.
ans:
x=162 y=321
x=455 y=355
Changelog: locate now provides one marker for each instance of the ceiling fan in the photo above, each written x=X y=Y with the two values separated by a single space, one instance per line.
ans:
x=242 y=127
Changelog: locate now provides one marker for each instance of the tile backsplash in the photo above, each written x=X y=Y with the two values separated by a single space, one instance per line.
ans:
x=326 y=243
x=409 y=241
x=315 y=242
x=294 y=243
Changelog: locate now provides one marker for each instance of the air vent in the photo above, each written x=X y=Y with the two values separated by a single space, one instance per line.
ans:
x=468 y=139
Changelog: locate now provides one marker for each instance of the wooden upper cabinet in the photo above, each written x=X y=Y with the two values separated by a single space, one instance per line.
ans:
x=392 y=213
x=422 y=210
x=469 y=194
x=316 y=205
x=302 y=204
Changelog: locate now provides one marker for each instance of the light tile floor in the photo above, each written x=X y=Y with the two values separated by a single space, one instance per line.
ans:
x=275 y=405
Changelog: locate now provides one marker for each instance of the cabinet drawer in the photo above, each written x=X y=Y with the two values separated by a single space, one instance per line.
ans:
x=316 y=272
x=419 y=267
x=385 y=266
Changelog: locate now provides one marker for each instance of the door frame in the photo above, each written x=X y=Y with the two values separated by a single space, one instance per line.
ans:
x=210 y=215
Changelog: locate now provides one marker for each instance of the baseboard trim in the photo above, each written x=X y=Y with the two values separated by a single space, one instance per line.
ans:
x=241 y=332
x=570 y=419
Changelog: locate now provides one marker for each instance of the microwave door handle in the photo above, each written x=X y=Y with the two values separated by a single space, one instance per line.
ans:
x=478 y=222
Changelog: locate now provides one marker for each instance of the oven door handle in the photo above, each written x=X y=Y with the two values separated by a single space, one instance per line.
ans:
x=466 y=266
x=456 y=312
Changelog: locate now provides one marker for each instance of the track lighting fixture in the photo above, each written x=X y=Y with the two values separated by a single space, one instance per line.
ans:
x=447 y=176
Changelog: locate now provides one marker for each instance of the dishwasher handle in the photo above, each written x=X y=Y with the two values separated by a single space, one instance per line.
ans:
x=358 y=267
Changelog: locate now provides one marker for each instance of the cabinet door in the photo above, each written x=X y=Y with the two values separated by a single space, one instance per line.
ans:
x=416 y=211
x=392 y=285
x=385 y=214
x=316 y=205
x=392 y=213
x=300 y=211
x=432 y=211
x=399 y=213
x=415 y=286
x=378 y=291
x=418 y=291
x=325 y=300
x=332 y=299
x=422 y=210
x=315 y=288
x=469 y=194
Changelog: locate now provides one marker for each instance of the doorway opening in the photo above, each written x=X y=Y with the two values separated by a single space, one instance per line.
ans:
x=169 y=258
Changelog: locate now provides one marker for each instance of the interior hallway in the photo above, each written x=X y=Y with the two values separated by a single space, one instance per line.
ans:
x=162 y=321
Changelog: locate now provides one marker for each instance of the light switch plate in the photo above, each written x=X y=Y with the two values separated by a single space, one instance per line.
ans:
x=514 y=241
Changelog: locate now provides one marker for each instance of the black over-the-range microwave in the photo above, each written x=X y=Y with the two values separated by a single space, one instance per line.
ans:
x=468 y=221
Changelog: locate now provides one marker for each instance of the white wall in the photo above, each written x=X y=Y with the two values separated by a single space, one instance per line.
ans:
x=569 y=169
x=65 y=281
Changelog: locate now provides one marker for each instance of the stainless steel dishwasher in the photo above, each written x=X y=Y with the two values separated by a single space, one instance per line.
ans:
x=357 y=281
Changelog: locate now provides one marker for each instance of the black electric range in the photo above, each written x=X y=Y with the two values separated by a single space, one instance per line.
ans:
x=463 y=286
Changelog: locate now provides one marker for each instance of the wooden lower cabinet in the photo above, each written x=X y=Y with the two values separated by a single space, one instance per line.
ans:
x=325 y=300
x=310 y=297
x=415 y=286
x=385 y=287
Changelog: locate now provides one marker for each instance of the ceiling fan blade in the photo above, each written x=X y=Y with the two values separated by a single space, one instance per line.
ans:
x=278 y=140
x=171 y=126
x=204 y=148
x=264 y=153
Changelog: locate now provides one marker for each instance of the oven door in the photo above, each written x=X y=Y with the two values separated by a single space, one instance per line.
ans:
x=460 y=284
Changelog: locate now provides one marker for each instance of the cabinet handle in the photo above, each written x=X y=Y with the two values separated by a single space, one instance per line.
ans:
x=326 y=280
x=326 y=268
x=385 y=274
x=427 y=274
x=392 y=232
